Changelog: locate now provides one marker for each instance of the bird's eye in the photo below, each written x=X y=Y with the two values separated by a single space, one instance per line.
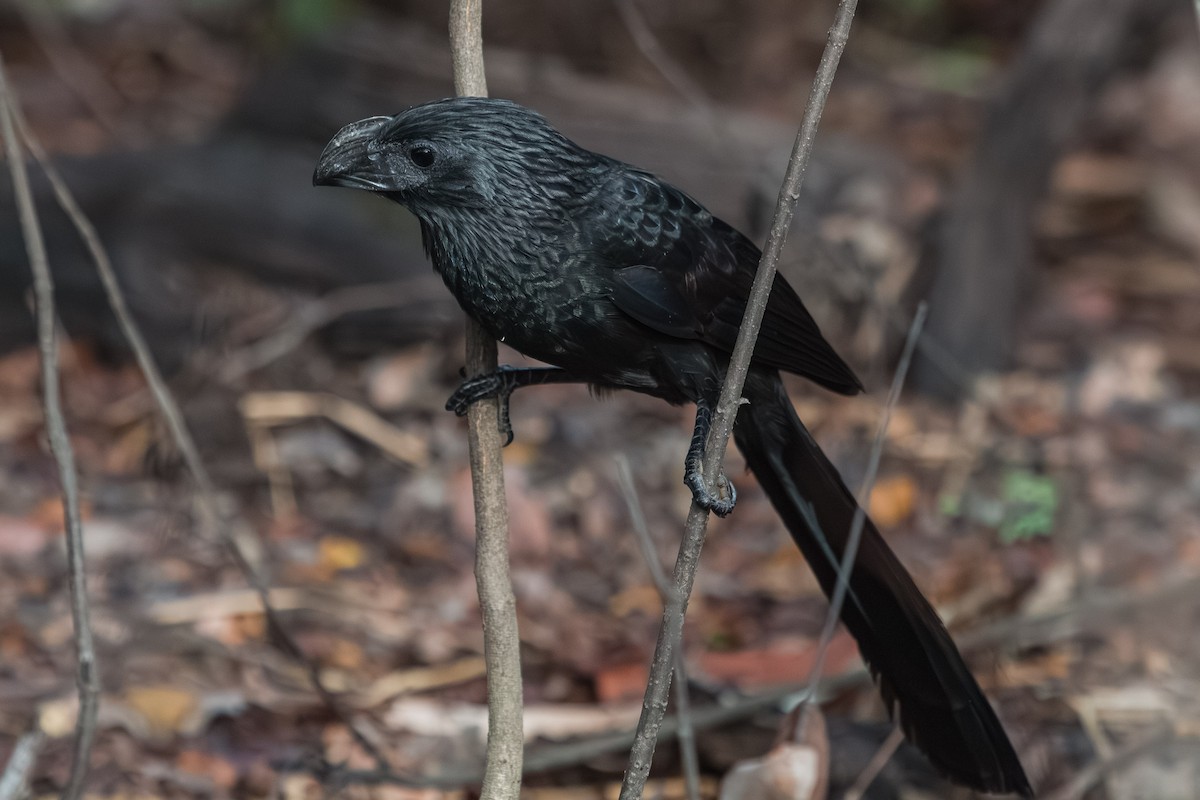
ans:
x=422 y=155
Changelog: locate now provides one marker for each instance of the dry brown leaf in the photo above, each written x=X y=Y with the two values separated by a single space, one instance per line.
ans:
x=220 y=771
x=645 y=599
x=167 y=709
x=792 y=770
x=893 y=500
x=777 y=664
x=393 y=382
x=339 y=553
x=621 y=682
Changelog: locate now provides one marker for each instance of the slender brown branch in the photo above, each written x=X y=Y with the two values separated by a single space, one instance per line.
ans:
x=316 y=314
x=683 y=702
x=658 y=687
x=668 y=67
x=214 y=521
x=1086 y=779
x=87 y=676
x=860 y=516
x=498 y=605
x=875 y=765
x=86 y=82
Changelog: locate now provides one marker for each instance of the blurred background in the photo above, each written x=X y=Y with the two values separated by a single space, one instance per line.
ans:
x=1029 y=167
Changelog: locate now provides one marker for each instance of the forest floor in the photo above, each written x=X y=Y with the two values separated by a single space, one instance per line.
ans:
x=1053 y=520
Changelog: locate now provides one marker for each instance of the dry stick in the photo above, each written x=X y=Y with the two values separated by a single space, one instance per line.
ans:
x=316 y=314
x=86 y=82
x=675 y=75
x=1021 y=632
x=87 y=677
x=214 y=521
x=14 y=783
x=683 y=704
x=545 y=758
x=875 y=765
x=501 y=643
x=860 y=516
x=1125 y=755
x=658 y=687
x=1198 y=11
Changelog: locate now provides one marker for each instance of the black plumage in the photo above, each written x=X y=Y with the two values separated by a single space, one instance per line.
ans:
x=623 y=281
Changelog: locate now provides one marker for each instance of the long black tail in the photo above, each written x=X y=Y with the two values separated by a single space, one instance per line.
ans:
x=920 y=672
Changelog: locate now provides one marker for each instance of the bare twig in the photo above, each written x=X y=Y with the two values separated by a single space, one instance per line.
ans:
x=860 y=516
x=498 y=605
x=214 y=521
x=318 y=313
x=683 y=702
x=875 y=765
x=548 y=757
x=14 y=783
x=1122 y=757
x=674 y=74
x=86 y=82
x=87 y=676
x=658 y=687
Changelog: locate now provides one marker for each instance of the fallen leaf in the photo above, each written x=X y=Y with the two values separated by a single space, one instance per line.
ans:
x=790 y=771
x=166 y=709
x=645 y=599
x=221 y=772
x=621 y=682
x=339 y=553
x=893 y=500
x=778 y=664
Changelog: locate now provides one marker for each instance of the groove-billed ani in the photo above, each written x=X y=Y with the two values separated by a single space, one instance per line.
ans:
x=623 y=281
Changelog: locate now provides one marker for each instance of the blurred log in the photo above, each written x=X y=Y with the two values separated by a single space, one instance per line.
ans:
x=985 y=248
x=210 y=236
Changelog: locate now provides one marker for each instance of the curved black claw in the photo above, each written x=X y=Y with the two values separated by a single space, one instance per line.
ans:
x=719 y=503
x=482 y=387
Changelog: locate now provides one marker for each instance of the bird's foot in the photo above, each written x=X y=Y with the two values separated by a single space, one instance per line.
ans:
x=482 y=387
x=720 y=502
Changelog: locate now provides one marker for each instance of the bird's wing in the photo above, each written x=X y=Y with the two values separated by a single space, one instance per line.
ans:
x=685 y=273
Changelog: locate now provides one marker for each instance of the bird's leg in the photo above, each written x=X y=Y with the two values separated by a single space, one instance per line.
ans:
x=721 y=501
x=500 y=384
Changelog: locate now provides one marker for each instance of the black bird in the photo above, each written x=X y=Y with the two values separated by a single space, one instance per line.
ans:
x=623 y=281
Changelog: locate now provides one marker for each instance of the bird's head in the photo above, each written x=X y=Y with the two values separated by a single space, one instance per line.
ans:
x=451 y=155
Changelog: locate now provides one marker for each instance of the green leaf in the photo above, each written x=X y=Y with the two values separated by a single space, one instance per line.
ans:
x=1031 y=503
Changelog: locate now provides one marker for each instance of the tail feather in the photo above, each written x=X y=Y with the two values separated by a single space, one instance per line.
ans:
x=920 y=672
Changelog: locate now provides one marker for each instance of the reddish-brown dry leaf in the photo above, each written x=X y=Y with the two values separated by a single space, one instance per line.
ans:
x=777 y=664
x=221 y=772
x=621 y=682
x=893 y=500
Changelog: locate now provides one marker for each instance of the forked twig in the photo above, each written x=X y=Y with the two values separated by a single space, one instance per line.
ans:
x=87 y=676
x=658 y=687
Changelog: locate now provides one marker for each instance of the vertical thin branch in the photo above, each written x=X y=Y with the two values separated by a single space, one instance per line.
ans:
x=683 y=703
x=875 y=765
x=860 y=515
x=658 y=687
x=87 y=677
x=213 y=521
x=501 y=642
